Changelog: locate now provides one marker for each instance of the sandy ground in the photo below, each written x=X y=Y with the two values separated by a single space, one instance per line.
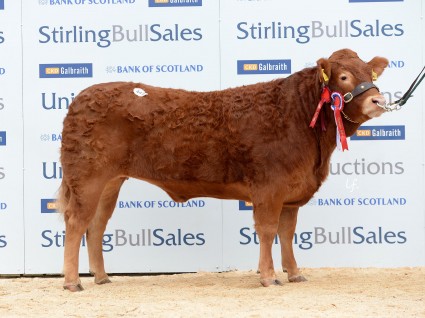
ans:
x=328 y=293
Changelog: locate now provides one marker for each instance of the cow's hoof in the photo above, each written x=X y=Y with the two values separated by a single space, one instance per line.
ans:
x=73 y=287
x=101 y=281
x=297 y=279
x=266 y=282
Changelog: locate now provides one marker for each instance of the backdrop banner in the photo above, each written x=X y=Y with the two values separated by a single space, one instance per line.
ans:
x=370 y=208
x=11 y=146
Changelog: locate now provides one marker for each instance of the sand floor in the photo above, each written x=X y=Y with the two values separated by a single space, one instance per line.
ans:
x=329 y=292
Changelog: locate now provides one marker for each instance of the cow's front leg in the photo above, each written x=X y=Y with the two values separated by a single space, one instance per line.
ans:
x=266 y=217
x=286 y=230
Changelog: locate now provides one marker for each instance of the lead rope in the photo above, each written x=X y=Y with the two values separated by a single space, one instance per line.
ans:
x=397 y=104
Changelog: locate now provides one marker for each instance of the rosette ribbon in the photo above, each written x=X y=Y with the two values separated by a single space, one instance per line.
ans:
x=337 y=106
x=325 y=97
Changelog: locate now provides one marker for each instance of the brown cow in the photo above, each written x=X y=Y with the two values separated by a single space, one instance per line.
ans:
x=248 y=143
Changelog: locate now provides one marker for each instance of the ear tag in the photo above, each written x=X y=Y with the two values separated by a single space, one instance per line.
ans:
x=374 y=75
x=325 y=77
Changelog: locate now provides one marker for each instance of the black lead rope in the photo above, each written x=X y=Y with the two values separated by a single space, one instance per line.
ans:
x=411 y=89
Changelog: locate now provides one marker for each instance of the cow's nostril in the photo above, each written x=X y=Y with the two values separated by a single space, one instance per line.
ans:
x=379 y=100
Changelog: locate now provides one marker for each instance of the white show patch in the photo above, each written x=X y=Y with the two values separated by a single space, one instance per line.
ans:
x=139 y=92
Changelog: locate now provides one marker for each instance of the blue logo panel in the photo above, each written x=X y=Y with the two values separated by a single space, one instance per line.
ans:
x=245 y=206
x=357 y=1
x=2 y=138
x=1 y=4
x=66 y=70
x=175 y=3
x=379 y=133
x=48 y=206
x=247 y=67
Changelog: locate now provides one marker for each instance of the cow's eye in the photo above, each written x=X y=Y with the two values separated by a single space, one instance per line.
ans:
x=343 y=77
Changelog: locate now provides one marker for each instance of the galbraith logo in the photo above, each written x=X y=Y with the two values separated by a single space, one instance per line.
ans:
x=2 y=138
x=248 y=67
x=66 y=70
x=175 y=3
x=245 y=206
x=49 y=206
x=379 y=133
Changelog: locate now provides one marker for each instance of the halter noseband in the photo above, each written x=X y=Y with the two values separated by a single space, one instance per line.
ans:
x=359 y=89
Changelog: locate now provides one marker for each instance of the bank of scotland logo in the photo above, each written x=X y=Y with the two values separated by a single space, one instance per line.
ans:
x=45 y=137
x=175 y=3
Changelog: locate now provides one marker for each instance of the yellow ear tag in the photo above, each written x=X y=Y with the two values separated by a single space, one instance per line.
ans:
x=374 y=76
x=325 y=77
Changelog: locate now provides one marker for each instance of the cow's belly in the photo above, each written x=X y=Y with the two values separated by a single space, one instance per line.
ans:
x=181 y=191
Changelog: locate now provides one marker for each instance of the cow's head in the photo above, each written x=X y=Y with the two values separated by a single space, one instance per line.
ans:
x=344 y=71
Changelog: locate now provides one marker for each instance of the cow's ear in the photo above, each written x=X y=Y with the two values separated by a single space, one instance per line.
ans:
x=378 y=65
x=324 y=69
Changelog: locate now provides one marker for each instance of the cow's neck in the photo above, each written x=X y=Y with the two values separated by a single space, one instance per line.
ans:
x=307 y=96
x=326 y=140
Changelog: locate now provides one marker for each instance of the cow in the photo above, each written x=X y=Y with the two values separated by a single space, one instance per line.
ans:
x=250 y=143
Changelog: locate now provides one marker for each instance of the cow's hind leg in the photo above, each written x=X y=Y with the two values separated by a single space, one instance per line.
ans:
x=97 y=228
x=266 y=217
x=78 y=213
x=287 y=225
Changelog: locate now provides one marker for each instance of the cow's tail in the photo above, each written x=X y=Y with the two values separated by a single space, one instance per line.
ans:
x=64 y=194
